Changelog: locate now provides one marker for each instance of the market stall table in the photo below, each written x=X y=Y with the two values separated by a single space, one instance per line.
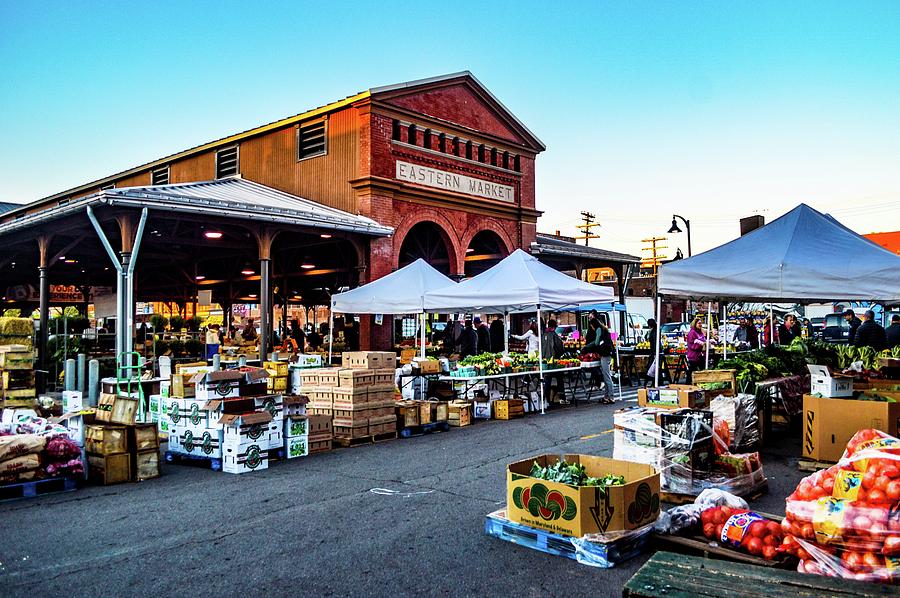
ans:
x=531 y=380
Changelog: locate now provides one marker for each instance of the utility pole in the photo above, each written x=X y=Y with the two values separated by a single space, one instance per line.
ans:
x=589 y=223
x=656 y=257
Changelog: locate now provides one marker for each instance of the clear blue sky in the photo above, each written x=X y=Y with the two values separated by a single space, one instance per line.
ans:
x=712 y=109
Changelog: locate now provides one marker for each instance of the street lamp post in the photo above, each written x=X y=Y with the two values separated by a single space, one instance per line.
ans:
x=687 y=225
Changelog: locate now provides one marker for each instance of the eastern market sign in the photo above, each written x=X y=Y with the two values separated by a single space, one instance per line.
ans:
x=450 y=181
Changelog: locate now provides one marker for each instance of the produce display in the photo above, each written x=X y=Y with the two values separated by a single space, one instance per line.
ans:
x=775 y=361
x=573 y=474
x=490 y=364
x=34 y=449
x=847 y=355
x=844 y=521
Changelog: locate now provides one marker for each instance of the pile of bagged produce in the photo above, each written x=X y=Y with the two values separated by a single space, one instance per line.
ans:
x=844 y=521
x=34 y=449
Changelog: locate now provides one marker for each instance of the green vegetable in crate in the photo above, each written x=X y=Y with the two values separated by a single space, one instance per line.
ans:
x=573 y=474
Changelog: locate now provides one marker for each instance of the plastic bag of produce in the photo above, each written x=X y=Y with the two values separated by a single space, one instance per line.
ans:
x=743 y=530
x=20 y=444
x=845 y=520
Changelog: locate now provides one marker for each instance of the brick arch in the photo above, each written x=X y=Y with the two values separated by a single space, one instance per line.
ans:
x=493 y=226
x=447 y=235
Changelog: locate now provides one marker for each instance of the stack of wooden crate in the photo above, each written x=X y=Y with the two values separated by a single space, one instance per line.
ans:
x=121 y=453
x=16 y=377
x=460 y=413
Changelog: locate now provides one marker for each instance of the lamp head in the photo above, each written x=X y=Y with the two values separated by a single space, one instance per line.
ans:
x=674 y=228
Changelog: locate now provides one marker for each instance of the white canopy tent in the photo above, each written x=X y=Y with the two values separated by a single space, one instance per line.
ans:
x=518 y=283
x=400 y=292
x=804 y=256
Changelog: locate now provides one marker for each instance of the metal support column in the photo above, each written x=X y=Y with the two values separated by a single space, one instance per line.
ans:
x=265 y=308
x=44 y=332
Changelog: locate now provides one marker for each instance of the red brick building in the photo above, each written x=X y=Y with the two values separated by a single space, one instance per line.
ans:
x=439 y=160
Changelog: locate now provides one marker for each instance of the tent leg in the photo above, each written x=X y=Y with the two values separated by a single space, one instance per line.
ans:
x=658 y=337
x=724 y=327
x=708 y=329
x=540 y=358
x=506 y=334
x=619 y=363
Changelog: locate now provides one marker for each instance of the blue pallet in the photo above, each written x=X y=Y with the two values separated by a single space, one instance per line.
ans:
x=595 y=554
x=214 y=463
x=443 y=426
x=36 y=488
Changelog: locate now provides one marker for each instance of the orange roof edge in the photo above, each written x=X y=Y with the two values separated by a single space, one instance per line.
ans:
x=889 y=240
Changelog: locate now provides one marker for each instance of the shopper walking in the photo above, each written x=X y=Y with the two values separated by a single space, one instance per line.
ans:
x=498 y=334
x=696 y=348
x=602 y=345
x=855 y=323
x=870 y=333
x=892 y=334
x=552 y=348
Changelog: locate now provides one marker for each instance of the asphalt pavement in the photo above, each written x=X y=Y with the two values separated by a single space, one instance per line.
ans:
x=395 y=518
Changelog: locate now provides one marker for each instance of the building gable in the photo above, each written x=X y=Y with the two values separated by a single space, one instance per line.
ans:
x=459 y=99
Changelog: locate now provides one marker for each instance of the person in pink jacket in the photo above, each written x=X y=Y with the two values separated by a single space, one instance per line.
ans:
x=696 y=347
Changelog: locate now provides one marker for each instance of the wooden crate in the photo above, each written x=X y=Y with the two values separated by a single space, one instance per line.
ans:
x=424 y=412
x=716 y=376
x=109 y=469
x=441 y=411
x=16 y=357
x=459 y=415
x=276 y=384
x=509 y=408
x=182 y=386
x=17 y=403
x=145 y=465
x=276 y=368
x=18 y=394
x=105 y=403
x=407 y=414
x=124 y=410
x=143 y=437
x=107 y=439
x=17 y=379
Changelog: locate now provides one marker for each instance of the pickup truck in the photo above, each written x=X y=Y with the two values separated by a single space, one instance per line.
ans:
x=836 y=329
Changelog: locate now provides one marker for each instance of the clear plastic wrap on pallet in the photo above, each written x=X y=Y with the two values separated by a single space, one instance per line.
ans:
x=682 y=518
x=844 y=521
x=742 y=414
x=609 y=549
x=690 y=449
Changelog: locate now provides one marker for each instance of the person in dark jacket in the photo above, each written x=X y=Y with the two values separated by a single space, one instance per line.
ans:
x=498 y=334
x=298 y=335
x=789 y=330
x=484 y=336
x=602 y=345
x=870 y=333
x=468 y=342
x=892 y=334
x=854 y=322
x=552 y=348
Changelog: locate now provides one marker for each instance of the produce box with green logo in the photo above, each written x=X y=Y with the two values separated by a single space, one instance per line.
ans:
x=190 y=413
x=217 y=385
x=296 y=426
x=244 y=459
x=296 y=447
x=199 y=443
x=244 y=429
x=597 y=494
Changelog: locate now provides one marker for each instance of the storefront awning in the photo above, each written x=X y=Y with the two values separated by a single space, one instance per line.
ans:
x=233 y=198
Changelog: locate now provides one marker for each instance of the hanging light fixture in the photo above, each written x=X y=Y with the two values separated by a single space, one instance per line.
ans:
x=674 y=228
x=325 y=236
x=212 y=234
x=199 y=277
x=307 y=264
x=247 y=270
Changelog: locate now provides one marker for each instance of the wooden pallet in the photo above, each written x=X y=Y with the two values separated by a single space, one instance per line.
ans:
x=676 y=498
x=812 y=466
x=35 y=488
x=669 y=575
x=594 y=553
x=699 y=545
x=345 y=442
x=408 y=431
x=213 y=463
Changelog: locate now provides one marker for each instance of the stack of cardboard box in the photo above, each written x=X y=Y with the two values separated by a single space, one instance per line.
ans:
x=278 y=376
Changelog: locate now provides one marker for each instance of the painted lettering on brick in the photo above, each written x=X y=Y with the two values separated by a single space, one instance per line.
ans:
x=460 y=183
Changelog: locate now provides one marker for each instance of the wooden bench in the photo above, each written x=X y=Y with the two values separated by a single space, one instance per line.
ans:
x=669 y=575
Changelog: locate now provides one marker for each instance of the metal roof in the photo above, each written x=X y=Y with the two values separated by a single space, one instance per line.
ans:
x=550 y=246
x=6 y=207
x=231 y=197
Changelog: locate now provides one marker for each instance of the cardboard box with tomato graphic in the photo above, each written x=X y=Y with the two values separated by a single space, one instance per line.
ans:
x=576 y=511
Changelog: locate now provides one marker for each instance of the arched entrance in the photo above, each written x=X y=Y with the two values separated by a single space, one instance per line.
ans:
x=425 y=240
x=485 y=249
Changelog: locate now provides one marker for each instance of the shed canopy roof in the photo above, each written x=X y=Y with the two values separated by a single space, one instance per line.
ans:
x=803 y=256
x=553 y=247
x=224 y=198
x=400 y=292
x=519 y=283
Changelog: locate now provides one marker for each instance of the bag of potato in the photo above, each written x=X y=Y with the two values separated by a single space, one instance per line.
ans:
x=19 y=464
x=20 y=444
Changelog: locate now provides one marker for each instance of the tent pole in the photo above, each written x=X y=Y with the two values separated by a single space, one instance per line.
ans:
x=540 y=358
x=771 y=325
x=724 y=327
x=708 y=329
x=506 y=333
x=424 y=316
x=619 y=364
x=330 y=333
x=658 y=337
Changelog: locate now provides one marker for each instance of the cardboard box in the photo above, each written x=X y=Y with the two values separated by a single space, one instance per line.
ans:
x=384 y=377
x=674 y=396
x=74 y=423
x=276 y=384
x=273 y=404
x=355 y=378
x=426 y=366
x=481 y=409
x=276 y=368
x=297 y=446
x=256 y=427
x=245 y=458
x=295 y=426
x=191 y=413
x=328 y=377
x=294 y=405
x=202 y=443
x=217 y=385
x=303 y=360
x=368 y=360
x=348 y=398
x=572 y=511
x=823 y=382
x=828 y=424
x=687 y=440
x=72 y=401
x=319 y=427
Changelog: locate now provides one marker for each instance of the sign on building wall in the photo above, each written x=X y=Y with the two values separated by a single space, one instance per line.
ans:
x=450 y=181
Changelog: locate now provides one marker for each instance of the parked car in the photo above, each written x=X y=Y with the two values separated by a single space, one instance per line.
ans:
x=836 y=329
x=565 y=331
x=673 y=332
